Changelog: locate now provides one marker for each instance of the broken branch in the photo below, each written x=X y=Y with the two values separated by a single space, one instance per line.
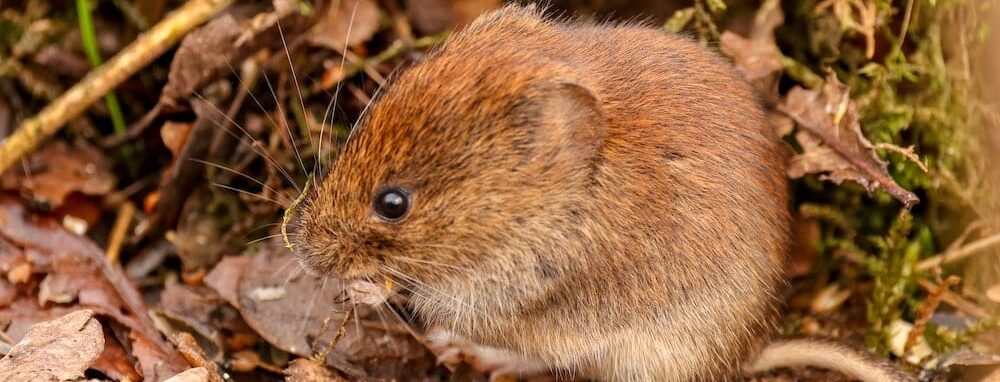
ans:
x=100 y=81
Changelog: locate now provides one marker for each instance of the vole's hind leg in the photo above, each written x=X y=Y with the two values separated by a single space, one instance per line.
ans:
x=452 y=349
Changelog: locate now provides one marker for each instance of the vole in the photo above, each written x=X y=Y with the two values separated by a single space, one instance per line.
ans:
x=605 y=199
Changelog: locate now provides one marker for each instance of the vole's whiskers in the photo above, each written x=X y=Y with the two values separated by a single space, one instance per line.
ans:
x=330 y=109
x=364 y=112
x=309 y=308
x=248 y=193
x=291 y=275
x=265 y=238
x=302 y=104
x=245 y=176
x=254 y=145
x=421 y=284
x=298 y=268
x=247 y=87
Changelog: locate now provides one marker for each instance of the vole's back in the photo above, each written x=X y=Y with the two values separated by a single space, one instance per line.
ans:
x=686 y=222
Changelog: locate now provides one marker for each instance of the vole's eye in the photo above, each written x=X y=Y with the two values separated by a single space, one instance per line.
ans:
x=391 y=203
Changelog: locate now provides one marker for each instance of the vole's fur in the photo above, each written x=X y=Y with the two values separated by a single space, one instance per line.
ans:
x=608 y=199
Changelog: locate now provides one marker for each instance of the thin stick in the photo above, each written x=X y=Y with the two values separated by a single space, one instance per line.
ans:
x=100 y=81
x=321 y=356
x=955 y=300
x=958 y=254
x=118 y=232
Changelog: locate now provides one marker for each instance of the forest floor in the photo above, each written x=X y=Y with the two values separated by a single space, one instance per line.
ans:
x=140 y=229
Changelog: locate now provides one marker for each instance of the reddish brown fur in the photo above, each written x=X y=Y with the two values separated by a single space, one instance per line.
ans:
x=606 y=198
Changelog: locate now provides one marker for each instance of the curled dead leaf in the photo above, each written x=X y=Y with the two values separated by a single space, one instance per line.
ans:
x=434 y=16
x=58 y=170
x=174 y=134
x=218 y=46
x=345 y=23
x=198 y=374
x=757 y=57
x=302 y=319
x=57 y=350
x=304 y=370
x=832 y=142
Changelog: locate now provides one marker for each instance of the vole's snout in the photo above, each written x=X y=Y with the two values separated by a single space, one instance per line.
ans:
x=327 y=248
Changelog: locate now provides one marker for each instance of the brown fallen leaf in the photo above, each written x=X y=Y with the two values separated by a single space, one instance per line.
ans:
x=198 y=374
x=225 y=277
x=68 y=272
x=174 y=134
x=220 y=45
x=200 y=311
x=434 y=16
x=298 y=313
x=57 y=350
x=832 y=142
x=58 y=170
x=304 y=370
x=345 y=23
x=114 y=362
x=191 y=352
x=757 y=57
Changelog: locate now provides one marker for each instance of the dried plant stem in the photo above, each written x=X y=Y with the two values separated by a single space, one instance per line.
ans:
x=926 y=310
x=958 y=254
x=956 y=301
x=100 y=81
x=118 y=232
x=320 y=357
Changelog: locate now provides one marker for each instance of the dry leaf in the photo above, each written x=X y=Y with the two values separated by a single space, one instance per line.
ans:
x=345 y=23
x=200 y=57
x=304 y=370
x=58 y=170
x=832 y=142
x=288 y=307
x=758 y=57
x=77 y=275
x=198 y=374
x=57 y=350
x=221 y=44
x=174 y=134
x=195 y=356
x=829 y=299
x=225 y=277
x=434 y=16
x=114 y=362
x=806 y=233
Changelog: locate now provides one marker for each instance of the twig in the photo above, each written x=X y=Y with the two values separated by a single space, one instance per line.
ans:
x=321 y=356
x=958 y=254
x=926 y=311
x=98 y=82
x=906 y=152
x=118 y=232
x=956 y=301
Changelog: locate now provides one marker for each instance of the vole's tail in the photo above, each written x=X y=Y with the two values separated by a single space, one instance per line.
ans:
x=829 y=355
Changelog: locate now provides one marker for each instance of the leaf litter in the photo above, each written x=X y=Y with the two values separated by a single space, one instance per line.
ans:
x=228 y=133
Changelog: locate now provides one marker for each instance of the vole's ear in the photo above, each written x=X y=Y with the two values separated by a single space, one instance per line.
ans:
x=566 y=119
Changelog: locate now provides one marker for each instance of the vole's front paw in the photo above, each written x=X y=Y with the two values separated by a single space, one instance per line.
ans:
x=368 y=293
x=501 y=365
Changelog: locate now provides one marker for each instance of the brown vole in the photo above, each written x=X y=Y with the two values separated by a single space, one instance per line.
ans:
x=607 y=199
